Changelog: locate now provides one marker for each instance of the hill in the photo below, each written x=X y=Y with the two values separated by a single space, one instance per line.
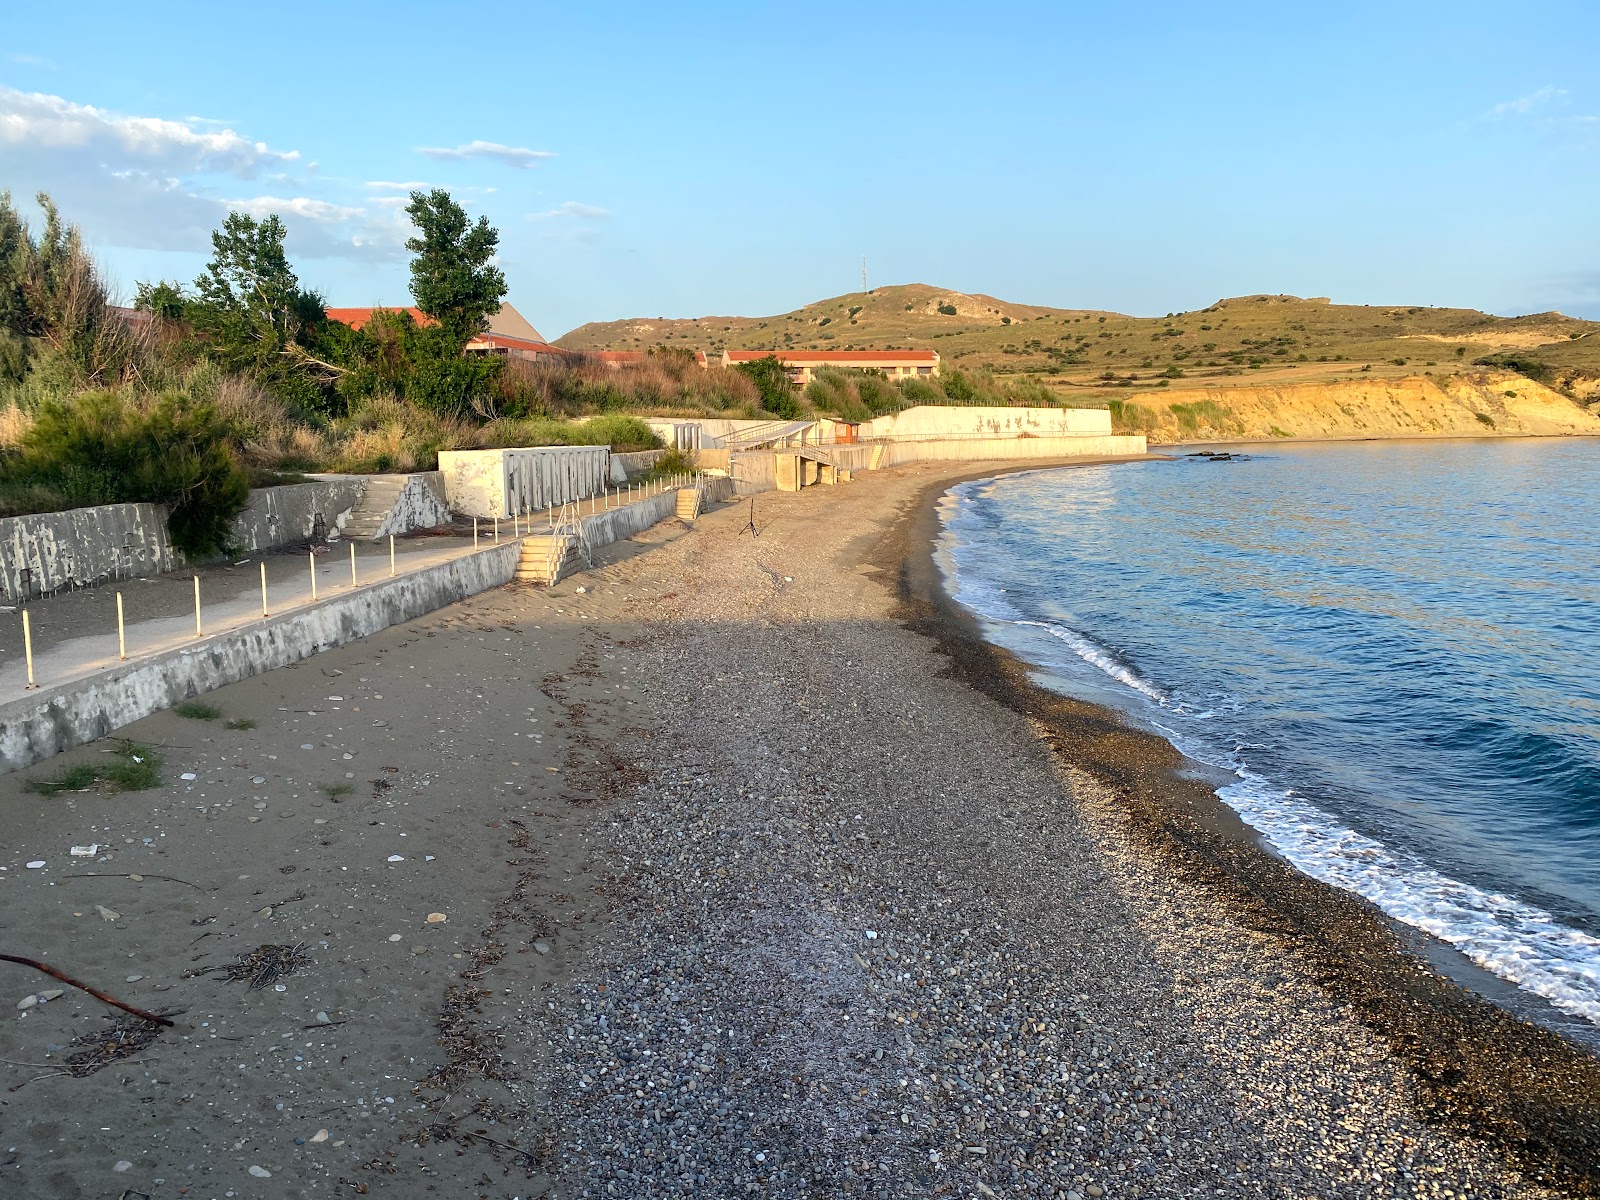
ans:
x=1244 y=340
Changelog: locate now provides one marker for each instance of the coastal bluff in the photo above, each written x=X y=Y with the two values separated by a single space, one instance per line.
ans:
x=1479 y=404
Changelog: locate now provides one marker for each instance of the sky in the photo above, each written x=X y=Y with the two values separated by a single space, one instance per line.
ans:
x=644 y=160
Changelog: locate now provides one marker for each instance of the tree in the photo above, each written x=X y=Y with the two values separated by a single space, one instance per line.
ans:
x=453 y=276
x=161 y=299
x=771 y=378
x=249 y=294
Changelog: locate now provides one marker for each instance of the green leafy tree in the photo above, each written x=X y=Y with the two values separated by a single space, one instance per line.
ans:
x=249 y=296
x=162 y=299
x=453 y=276
x=771 y=378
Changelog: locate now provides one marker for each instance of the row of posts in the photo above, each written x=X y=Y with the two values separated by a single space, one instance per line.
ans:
x=199 y=626
x=624 y=496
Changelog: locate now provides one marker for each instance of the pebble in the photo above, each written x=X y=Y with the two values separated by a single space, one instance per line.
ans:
x=187 y=775
x=121 y=1165
x=134 y=978
x=35 y=864
x=258 y=779
x=260 y=1172
x=323 y=1018
x=320 y=1135
x=397 y=858
x=394 y=937
x=437 y=918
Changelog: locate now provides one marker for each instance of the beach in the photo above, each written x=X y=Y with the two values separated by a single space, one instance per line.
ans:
x=737 y=865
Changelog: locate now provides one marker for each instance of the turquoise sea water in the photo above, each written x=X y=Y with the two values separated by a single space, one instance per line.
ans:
x=1390 y=652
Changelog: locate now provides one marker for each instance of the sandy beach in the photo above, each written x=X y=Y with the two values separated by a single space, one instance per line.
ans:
x=738 y=865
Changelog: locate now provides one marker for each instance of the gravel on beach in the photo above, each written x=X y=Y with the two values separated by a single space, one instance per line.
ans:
x=700 y=874
x=874 y=939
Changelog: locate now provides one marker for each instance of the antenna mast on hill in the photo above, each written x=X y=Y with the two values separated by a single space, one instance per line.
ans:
x=863 y=272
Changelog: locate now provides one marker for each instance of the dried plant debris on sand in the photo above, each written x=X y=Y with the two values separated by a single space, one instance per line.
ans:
x=122 y=1039
x=265 y=965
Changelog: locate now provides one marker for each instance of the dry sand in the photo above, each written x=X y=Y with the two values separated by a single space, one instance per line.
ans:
x=758 y=876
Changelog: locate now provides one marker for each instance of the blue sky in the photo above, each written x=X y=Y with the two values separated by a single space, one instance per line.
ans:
x=653 y=160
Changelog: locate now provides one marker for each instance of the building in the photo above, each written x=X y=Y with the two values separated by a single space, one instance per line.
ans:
x=509 y=333
x=803 y=364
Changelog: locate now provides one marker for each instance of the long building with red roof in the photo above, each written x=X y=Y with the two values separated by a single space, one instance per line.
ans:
x=803 y=364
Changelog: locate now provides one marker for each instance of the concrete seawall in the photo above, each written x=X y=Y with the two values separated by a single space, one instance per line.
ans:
x=1000 y=449
x=55 y=719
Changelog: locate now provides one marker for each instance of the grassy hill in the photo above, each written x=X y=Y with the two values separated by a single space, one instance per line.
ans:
x=1243 y=341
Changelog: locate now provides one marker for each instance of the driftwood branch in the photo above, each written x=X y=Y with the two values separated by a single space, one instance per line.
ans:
x=84 y=987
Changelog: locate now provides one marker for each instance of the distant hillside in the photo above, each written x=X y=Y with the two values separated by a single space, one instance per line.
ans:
x=1246 y=340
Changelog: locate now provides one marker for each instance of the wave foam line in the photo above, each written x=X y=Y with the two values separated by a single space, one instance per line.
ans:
x=1516 y=941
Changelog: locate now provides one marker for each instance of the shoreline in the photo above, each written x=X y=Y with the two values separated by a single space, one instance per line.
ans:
x=1524 y=1088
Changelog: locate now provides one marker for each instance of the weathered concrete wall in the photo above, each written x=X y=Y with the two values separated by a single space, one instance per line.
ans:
x=420 y=505
x=984 y=449
x=753 y=471
x=498 y=483
x=945 y=421
x=45 y=552
x=47 y=722
x=280 y=516
x=634 y=464
x=84 y=546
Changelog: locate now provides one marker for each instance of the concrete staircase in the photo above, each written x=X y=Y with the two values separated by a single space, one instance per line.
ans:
x=545 y=558
x=368 y=516
x=688 y=504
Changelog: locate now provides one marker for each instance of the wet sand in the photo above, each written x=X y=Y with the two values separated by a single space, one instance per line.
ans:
x=760 y=874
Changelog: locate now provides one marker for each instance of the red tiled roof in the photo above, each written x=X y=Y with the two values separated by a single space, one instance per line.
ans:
x=507 y=342
x=834 y=356
x=357 y=317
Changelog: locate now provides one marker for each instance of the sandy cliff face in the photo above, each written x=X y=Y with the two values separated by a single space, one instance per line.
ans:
x=1480 y=404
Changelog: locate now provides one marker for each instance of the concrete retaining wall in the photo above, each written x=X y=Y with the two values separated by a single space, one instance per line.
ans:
x=498 y=483
x=281 y=516
x=938 y=421
x=420 y=505
x=634 y=464
x=999 y=449
x=84 y=546
x=55 y=719
x=753 y=471
x=603 y=528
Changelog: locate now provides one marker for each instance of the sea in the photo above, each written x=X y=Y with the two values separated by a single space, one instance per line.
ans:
x=1385 y=654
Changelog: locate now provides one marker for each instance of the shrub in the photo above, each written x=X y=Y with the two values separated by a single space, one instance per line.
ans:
x=103 y=448
x=771 y=379
x=1485 y=418
x=948 y=310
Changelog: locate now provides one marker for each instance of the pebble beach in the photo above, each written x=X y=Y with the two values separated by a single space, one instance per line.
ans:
x=755 y=874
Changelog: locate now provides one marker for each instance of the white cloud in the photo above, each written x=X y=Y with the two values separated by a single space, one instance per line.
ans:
x=573 y=209
x=150 y=183
x=299 y=206
x=511 y=156
x=31 y=60
x=1523 y=105
x=32 y=121
x=388 y=185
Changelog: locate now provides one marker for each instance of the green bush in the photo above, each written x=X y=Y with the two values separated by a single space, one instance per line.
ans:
x=102 y=448
x=771 y=378
x=622 y=433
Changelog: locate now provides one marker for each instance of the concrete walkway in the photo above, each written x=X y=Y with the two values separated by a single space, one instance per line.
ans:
x=75 y=634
